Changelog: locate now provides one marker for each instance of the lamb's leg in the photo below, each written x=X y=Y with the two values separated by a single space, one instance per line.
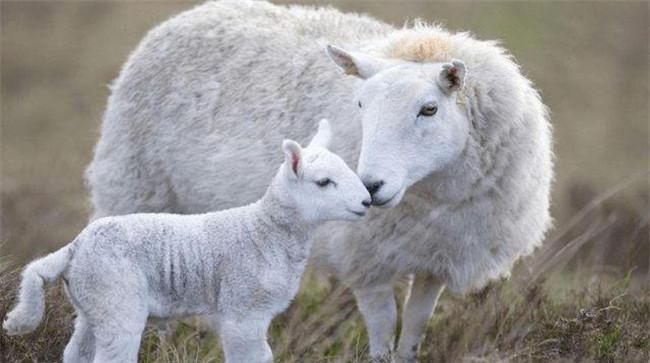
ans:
x=118 y=347
x=377 y=305
x=245 y=340
x=117 y=337
x=81 y=347
x=419 y=306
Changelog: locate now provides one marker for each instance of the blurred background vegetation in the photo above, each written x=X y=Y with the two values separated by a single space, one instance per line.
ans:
x=589 y=59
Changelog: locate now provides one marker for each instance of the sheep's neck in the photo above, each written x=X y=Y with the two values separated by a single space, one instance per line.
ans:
x=277 y=212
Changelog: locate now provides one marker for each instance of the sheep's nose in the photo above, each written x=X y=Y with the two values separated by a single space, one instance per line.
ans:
x=373 y=187
x=366 y=203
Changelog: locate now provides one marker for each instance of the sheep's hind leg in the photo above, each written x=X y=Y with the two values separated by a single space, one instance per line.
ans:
x=377 y=305
x=119 y=347
x=245 y=341
x=81 y=347
x=118 y=341
x=420 y=303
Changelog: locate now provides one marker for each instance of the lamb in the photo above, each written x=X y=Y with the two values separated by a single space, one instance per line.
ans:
x=242 y=266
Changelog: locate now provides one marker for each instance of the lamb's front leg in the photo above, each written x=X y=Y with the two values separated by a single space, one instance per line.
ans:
x=377 y=305
x=419 y=306
x=244 y=340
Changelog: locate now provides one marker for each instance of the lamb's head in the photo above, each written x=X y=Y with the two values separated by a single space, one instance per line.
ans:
x=413 y=125
x=320 y=183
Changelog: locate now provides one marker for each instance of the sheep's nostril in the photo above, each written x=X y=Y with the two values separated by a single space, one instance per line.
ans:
x=373 y=187
x=366 y=203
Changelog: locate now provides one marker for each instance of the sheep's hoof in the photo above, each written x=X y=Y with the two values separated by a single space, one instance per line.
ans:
x=406 y=359
x=385 y=358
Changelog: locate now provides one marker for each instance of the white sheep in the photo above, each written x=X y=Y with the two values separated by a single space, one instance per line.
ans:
x=461 y=150
x=242 y=265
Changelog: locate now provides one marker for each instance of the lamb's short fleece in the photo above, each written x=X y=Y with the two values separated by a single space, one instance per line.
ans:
x=242 y=266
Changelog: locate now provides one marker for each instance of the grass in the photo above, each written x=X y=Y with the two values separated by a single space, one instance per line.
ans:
x=506 y=321
x=560 y=305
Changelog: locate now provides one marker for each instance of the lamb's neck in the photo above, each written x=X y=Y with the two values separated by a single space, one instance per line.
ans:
x=277 y=211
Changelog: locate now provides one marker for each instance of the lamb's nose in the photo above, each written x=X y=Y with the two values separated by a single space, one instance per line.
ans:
x=373 y=187
x=366 y=203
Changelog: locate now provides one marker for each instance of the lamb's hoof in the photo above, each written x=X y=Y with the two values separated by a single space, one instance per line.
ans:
x=385 y=358
x=406 y=359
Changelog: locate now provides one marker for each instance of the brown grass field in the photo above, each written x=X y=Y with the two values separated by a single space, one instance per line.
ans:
x=584 y=296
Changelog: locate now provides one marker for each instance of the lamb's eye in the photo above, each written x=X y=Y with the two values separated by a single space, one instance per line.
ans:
x=428 y=110
x=323 y=182
x=360 y=104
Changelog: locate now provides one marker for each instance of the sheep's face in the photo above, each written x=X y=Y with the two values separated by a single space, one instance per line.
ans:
x=412 y=123
x=320 y=183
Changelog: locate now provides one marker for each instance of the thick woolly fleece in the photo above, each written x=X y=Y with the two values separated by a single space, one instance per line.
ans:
x=194 y=110
x=197 y=105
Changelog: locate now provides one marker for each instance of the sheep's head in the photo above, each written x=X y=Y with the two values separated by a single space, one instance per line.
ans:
x=412 y=123
x=321 y=184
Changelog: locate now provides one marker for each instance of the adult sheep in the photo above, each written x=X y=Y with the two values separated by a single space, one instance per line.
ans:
x=455 y=139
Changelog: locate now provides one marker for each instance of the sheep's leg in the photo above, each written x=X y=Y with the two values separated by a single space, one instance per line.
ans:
x=81 y=347
x=245 y=340
x=117 y=340
x=377 y=305
x=123 y=347
x=420 y=303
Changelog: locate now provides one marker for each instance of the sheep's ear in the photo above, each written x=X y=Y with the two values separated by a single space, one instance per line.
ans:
x=355 y=64
x=323 y=136
x=292 y=156
x=452 y=76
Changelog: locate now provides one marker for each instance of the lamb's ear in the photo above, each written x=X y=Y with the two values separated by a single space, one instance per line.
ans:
x=293 y=157
x=452 y=76
x=355 y=64
x=323 y=136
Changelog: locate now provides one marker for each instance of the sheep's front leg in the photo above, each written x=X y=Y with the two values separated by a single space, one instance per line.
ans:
x=420 y=303
x=377 y=305
x=245 y=340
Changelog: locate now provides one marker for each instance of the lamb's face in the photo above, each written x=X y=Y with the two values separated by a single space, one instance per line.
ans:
x=412 y=124
x=321 y=184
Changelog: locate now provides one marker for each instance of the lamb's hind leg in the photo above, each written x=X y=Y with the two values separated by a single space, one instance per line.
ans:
x=419 y=306
x=117 y=339
x=377 y=305
x=81 y=347
x=245 y=340
x=121 y=348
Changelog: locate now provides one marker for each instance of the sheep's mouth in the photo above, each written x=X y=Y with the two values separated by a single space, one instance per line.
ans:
x=390 y=201
x=360 y=214
x=381 y=203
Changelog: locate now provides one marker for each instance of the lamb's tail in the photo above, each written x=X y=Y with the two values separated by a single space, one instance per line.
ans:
x=28 y=313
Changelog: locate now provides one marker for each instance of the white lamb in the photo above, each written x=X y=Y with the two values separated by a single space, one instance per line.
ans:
x=242 y=266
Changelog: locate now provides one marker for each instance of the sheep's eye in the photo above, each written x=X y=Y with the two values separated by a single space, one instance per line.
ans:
x=360 y=104
x=428 y=110
x=323 y=182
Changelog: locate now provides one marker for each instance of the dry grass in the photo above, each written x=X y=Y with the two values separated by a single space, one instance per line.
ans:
x=598 y=322
x=556 y=309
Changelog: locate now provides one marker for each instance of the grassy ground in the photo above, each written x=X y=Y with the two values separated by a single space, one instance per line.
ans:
x=507 y=321
x=557 y=307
